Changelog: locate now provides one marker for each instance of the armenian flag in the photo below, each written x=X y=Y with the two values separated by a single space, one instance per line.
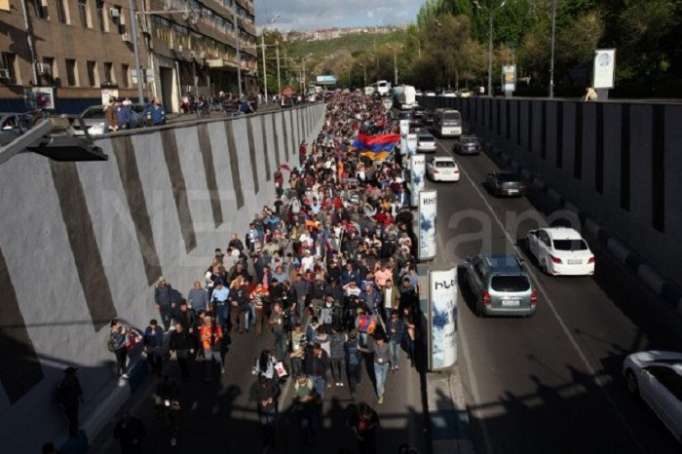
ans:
x=381 y=142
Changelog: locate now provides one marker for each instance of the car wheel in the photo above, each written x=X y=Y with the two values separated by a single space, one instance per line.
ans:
x=631 y=383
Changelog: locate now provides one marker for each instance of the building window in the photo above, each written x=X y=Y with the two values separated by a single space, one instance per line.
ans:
x=62 y=11
x=39 y=8
x=8 y=69
x=92 y=73
x=102 y=20
x=109 y=73
x=125 y=75
x=84 y=13
x=71 y=73
x=47 y=71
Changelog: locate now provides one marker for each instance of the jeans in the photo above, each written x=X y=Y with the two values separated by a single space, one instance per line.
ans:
x=362 y=337
x=210 y=356
x=121 y=361
x=394 y=353
x=338 y=369
x=280 y=345
x=223 y=314
x=320 y=384
x=380 y=374
x=166 y=314
x=261 y=318
x=252 y=316
x=354 y=375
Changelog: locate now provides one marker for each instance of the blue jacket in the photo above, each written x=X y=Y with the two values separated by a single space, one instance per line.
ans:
x=153 y=338
x=123 y=116
x=156 y=112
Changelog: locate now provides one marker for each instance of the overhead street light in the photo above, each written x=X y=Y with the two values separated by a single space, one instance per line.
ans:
x=491 y=8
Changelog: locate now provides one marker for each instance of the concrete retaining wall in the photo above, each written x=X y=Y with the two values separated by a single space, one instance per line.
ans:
x=619 y=162
x=83 y=243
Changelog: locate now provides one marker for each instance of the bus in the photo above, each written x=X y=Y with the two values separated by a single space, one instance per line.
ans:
x=405 y=97
x=447 y=123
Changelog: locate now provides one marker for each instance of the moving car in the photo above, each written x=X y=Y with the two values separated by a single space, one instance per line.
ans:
x=12 y=125
x=430 y=94
x=426 y=143
x=447 y=123
x=467 y=145
x=656 y=377
x=561 y=251
x=448 y=94
x=465 y=93
x=442 y=168
x=95 y=123
x=509 y=184
x=500 y=285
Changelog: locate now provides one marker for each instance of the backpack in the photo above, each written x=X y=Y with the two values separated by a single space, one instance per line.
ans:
x=110 y=345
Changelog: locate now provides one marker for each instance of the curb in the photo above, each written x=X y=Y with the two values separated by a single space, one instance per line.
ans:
x=668 y=291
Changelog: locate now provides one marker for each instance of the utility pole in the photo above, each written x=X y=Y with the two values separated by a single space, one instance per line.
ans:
x=239 y=55
x=279 y=80
x=551 y=62
x=265 y=70
x=364 y=75
x=490 y=54
x=136 y=50
x=395 y=68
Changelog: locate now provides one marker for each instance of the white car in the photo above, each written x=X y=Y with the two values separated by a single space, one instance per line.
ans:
x=656 y=376
x=442 y=169
x=426 y=143
x=561 y=251
x=430 y=94
x=449 y=94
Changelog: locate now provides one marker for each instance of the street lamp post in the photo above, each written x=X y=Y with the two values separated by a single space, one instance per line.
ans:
x=279 y=78
x=491 y=16
x=265 y=69
x=239 y=55
x=136 y=50
x=551 y=63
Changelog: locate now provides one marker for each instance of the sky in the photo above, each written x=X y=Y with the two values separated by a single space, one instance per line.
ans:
x=302 y=15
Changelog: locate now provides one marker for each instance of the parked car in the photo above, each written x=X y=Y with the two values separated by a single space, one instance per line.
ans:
x=12 y=125
x=448 y=94
x=464 y=93
x=442 y=168
x=467 y=145
x=509 y=184
x=500 y=285
x=426 y=143
x=656 y=377
x=430 y=94
x=561 y=251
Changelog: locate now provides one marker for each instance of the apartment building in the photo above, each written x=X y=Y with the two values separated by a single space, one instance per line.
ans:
x=68 y=54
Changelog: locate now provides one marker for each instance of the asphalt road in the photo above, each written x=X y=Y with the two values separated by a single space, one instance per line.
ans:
x=550 y=383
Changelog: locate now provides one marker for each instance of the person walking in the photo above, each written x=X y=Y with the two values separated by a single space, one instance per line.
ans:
x=155 y=112
x=354 y=362
x=181 y=347
x=337 y=356
x=396 y=333
x=198 y=298
x=318 y=368
x=266 y=396
x=164 y=301
x=153 y=346
x=219 y=299
x=119 y=346
x=382 y=361
x=69 y=398
x=211 y=336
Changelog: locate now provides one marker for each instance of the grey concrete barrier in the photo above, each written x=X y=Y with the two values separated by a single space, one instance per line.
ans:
x=592 y=227
x=618 y=250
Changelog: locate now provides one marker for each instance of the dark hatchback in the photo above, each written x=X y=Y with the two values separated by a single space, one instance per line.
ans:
x=467 y=145
x=506 y=184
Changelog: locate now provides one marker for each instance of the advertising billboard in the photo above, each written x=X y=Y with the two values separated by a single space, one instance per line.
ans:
x=428 y=203
x=509 y=77
x=443 y=319
x=417 y=174
x=604 y=68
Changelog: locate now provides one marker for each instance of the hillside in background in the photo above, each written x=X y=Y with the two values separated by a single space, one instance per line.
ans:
x=352 y=43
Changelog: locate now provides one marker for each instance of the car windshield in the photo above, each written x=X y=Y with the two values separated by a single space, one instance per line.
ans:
x=469 y=139
x=444 y=164
x=451 y=116
x=510 y=283
x=93 y=112
x=508 y=177
x=570 y=245
x=425 y=137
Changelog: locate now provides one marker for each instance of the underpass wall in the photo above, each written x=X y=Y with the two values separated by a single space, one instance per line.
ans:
x=82 y=243
x=619 y=162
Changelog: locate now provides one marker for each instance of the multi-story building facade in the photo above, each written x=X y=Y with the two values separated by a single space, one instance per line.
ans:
x=79 y=50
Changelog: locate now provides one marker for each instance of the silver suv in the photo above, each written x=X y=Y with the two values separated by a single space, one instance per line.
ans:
x=500 y=285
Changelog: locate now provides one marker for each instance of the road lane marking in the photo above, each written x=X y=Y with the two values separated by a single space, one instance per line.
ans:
x=598 y=379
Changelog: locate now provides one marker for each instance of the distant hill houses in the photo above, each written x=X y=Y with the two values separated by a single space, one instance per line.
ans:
x=334 y=33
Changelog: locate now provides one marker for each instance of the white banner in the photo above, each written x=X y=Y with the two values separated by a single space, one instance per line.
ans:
x=403 y=145
x=404 y=128
x=412 y=142
x=604 y=68
x=417 y=174
x=443 y=309
x=428 y=203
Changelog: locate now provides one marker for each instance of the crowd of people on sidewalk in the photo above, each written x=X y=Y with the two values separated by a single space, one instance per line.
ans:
x=328 y=271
